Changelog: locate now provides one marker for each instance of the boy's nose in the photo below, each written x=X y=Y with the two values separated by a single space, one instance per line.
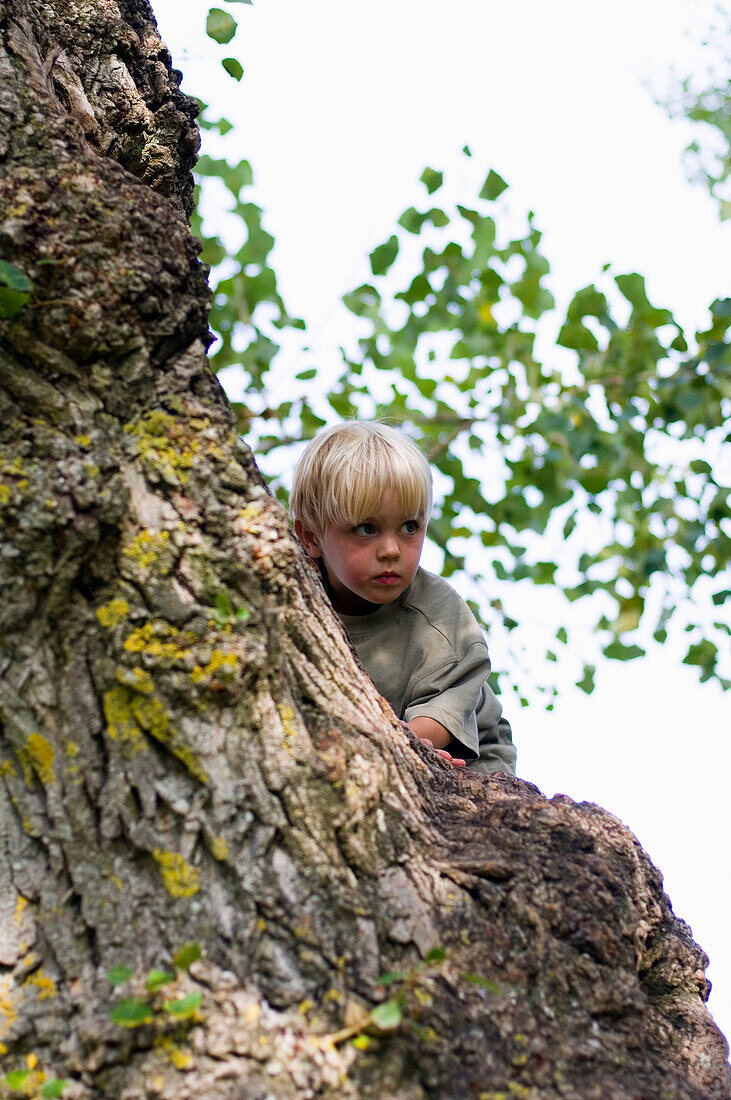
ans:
x=388 y=547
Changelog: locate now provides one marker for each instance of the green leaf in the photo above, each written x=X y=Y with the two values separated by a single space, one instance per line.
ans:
x=158 y=978
x=704 y=654
x=132 y=1012
x=12 y=277
x=388 y=1015
x=618 y=651
x=184 y=1006
x=11 y=302
x=411 y=220
x=17 y=1078
x=307 y=375
x=432 y=180
x=633 y=288
x=224 y=608
x=118 y=975
x=233 y=67
x=382 y=257
x=437 y=217
x=362 y=1042
x=187 y=955
x=587 y=302
x=220 y=26
x=437 y=954
x=54 y=1088
x=391 y=976
x=578 y=337
x=493 y=186
x=587 y=681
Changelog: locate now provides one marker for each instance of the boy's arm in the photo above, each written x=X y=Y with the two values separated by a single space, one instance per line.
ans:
x=428 y=729
x=465 y=713
x=433 y=733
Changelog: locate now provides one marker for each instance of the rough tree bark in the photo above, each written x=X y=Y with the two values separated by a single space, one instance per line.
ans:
x=188 y=750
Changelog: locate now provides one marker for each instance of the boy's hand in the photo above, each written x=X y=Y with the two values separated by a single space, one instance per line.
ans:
x=444 y=754
x=434 y=734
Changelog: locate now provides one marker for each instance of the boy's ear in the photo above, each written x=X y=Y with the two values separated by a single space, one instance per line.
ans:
x=308 y=538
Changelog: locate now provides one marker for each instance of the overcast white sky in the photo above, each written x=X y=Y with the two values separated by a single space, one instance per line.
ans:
x=341 y=107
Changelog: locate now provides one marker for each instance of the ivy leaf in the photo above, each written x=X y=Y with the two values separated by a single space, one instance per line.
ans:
x=17 y=1078
x=54 y=1088
x=187 y=955
x=224 y=608
x=158 y=978
x=387 y=1016
x=15 y=289
x=220 y=26
x=11 y=276
x=493 y=186
x=233 y=67
x=118 y=975
x=391 y=976
x=131 y=1012
x=184 y=1006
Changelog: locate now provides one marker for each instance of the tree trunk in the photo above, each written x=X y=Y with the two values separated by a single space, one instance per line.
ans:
x=189 y=752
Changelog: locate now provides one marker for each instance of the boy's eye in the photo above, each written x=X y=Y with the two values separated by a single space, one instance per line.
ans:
x=365 y=529
x=411 y=526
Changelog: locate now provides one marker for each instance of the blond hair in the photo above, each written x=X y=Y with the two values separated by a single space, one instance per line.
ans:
x=345 y=470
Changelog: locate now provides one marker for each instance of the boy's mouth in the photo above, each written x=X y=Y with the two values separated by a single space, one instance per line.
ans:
x=387 y=578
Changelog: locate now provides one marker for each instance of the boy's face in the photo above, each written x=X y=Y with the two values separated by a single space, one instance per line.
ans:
x=372 y=563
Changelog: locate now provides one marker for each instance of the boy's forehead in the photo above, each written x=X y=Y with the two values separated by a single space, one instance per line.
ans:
x=389 y=504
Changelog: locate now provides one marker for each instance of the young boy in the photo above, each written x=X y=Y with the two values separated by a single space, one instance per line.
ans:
x=361 y=500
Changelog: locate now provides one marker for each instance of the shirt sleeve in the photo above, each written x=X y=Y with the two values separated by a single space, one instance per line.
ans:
x=497 y=751
x=458 y=696
x=450 y=694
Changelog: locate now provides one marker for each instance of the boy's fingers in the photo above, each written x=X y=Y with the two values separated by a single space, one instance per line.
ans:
x=452 y=759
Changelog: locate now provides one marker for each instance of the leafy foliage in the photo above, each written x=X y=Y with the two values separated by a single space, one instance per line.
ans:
x=15 y=289
x=579 y=453
x=705 y=98
x=142 y=1009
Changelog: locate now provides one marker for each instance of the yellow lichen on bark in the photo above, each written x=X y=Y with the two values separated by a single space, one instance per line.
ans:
x=219 y=848
x=8 y=1009
x=112 y=613
x=121 y=725
x=145 y=549
x=221 y=664
x=45 y=985
x=147 y=641
x=41 y=755
x=180 y=878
